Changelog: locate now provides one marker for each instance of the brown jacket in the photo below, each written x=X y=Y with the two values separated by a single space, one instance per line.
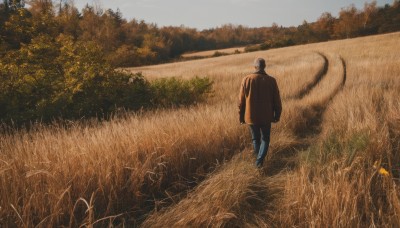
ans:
x=259 y=99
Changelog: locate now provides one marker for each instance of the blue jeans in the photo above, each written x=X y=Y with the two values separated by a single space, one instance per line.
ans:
x=260 y=134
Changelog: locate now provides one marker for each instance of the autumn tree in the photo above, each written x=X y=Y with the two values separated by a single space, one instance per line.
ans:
x=324 y=26
x=388 y=18
x=305 y=34
x=369 y=12
x=110 y=30
x=12 y=5
x=68 y=18
x=349 y=23
x=29 y=77
x=43 y=17
x=89 y=24
x=17 y=25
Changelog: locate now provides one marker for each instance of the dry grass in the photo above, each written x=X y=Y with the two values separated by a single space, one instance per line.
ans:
x=336 y=183
x=319 y=170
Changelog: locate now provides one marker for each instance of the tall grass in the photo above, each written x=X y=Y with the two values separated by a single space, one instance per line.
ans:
x=338 y=182
x=117 y=172
x=336 y=179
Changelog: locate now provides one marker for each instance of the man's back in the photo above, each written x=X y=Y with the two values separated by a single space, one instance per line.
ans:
x=259 y=105
x=259 y=99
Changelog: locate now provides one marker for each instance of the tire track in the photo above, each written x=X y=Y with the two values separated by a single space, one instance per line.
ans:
x=317 y=110
x=307 y=130
x=317 y=78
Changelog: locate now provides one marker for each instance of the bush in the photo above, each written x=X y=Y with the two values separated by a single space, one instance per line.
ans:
x=265 y=46
x=252 y=48
x=177 y=92
x=218 y=53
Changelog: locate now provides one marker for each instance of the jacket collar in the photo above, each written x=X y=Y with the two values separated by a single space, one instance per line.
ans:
x=260 y=72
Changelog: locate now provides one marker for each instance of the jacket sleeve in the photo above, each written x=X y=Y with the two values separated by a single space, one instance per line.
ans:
x=277 y=103
x=242 y=102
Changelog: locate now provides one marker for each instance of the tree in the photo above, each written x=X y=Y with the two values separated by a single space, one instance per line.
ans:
x=389 y=18
x=43 y=17
x=40 y=7
x=13 y=5
x=89 y=24
x=29 y=79
x=17 y=27
x=324 y=26
x=110 y=30
x=349 y=23
x=369 y=10
x=305 y=33
x=368 y=14
x=68 y=19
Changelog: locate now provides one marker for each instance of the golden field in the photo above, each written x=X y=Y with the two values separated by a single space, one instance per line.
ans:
x=334 y=158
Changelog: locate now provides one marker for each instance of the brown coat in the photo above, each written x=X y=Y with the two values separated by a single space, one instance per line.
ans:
x=259 y=99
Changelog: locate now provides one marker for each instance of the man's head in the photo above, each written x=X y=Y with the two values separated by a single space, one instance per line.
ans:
x=259 y=63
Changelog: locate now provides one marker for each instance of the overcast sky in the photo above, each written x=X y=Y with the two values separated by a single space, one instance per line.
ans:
x=203 y=14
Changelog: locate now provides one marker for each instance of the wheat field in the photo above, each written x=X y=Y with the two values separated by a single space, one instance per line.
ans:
x=334 y=158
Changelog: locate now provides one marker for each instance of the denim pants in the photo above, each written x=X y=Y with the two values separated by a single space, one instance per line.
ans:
x=260 y=135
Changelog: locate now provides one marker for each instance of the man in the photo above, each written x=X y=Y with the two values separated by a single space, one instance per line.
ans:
x=259 y=105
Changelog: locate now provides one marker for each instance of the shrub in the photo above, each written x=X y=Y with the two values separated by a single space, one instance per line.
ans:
x=265 y=46
x=178 y=92
x=218 y=53
x=252 y=48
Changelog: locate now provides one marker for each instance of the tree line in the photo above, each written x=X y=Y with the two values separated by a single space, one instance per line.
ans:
x=350 y=23
x=124 y=43
x=133 y=43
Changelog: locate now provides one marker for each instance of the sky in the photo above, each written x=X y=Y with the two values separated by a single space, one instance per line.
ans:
x=205 y=14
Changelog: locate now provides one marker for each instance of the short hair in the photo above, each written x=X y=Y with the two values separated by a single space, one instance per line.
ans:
x=259 y=63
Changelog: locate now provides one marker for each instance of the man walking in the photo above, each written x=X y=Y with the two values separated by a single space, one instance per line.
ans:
x=259 y=105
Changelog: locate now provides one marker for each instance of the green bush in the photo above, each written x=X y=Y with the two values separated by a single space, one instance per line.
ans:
x=178 y=92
